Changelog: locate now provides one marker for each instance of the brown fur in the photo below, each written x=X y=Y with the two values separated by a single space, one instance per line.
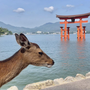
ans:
x=30 y=53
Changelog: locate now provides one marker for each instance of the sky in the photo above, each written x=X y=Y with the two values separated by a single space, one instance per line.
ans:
x=34 y=13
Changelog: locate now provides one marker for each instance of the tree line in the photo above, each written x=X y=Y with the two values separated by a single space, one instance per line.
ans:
x=4 y=31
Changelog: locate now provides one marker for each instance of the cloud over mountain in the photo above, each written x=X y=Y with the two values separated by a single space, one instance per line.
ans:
x=19 y=10
x=49 y=9
x=70 y=6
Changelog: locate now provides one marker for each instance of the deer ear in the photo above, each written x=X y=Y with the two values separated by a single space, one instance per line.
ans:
x=17 y=38
x=22 y=40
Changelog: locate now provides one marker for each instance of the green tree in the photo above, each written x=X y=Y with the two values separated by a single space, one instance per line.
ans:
x=4 y=31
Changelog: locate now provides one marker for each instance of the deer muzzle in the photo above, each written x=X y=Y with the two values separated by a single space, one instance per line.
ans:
x=49 y=64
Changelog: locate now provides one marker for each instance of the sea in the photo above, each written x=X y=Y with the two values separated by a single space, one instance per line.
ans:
x=70 y=56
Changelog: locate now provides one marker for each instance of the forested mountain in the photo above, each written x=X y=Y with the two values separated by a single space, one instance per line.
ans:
x=48 y=27
x=4 y=31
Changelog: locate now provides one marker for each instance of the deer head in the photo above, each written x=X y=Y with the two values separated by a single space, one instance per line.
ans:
x=31 y=52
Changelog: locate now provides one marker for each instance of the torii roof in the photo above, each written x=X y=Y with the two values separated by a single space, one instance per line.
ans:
x=73 y=16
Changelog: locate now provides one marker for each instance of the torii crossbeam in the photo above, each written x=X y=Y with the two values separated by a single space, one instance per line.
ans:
x=80 y=29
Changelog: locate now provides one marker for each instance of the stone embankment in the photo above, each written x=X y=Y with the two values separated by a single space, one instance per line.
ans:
x=52 y=83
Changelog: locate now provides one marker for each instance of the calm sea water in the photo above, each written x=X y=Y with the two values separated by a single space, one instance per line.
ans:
x=71 y=57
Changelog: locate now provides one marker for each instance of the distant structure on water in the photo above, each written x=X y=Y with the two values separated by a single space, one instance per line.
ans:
x=80 y=29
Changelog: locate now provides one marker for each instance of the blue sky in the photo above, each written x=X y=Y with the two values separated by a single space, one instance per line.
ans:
x=33 y=13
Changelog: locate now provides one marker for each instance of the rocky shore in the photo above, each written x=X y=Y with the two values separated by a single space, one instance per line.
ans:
x=52 y=83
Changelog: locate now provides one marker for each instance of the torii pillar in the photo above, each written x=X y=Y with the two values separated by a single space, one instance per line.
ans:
x=80 y=29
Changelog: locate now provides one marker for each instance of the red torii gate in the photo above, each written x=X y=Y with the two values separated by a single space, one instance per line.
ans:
x=80 y=30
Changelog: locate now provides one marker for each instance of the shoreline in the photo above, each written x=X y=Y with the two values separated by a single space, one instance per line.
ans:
x=52 y=83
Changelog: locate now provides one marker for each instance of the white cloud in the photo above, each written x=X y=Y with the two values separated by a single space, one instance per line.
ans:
x=19 y=10
x=70 y=6
x=49 y=9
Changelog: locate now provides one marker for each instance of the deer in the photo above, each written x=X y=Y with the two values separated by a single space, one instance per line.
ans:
x=29 y=54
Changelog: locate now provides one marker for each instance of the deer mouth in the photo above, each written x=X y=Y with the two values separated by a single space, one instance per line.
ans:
x=47 y=65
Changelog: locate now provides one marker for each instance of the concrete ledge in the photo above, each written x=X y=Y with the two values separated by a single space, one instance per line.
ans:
x=39 y=85
x=13 y=88
x=55 y=82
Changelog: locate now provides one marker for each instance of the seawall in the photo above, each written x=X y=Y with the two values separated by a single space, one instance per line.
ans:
x=51 y=83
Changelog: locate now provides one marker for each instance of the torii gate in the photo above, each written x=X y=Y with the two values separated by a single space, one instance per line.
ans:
x=80 y=29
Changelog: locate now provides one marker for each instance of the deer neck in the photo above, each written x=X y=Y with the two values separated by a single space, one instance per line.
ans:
x=11 y=67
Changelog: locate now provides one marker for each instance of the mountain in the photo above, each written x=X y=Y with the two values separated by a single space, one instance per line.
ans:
x=48 y=27
x=13 y=28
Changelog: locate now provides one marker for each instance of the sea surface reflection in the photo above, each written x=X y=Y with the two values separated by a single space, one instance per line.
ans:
x=70 y=57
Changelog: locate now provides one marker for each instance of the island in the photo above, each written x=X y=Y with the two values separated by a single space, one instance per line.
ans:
x=4 y=31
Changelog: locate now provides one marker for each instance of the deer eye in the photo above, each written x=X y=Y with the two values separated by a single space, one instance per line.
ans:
x=40 y=53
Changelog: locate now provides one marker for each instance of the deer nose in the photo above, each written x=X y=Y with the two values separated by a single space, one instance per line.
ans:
x=52 y=62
